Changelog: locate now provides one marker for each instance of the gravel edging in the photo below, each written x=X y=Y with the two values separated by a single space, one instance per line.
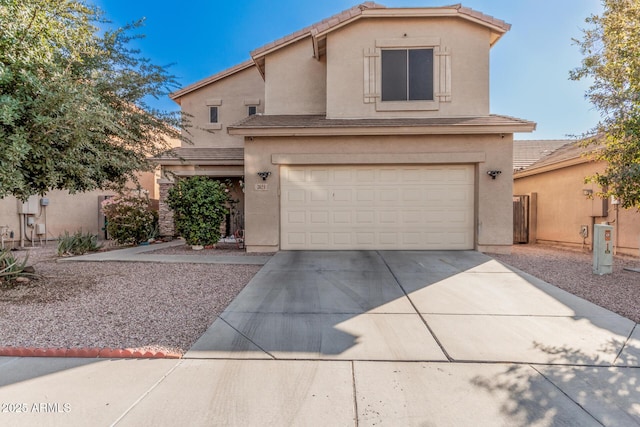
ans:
x=220 y=249
x=145 y=308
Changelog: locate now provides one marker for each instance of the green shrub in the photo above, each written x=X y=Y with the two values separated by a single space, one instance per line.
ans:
x=11 y=268
x=130 y=219
x=199 y=205
x=77 y=243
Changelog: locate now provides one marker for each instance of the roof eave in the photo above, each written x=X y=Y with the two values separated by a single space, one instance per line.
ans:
x=193 y=162
x=382 y=130
x=175 y=96
x=552 y=167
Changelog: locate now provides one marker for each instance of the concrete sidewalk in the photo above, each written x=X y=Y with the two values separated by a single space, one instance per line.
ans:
x=362 y=338
x=141 y=254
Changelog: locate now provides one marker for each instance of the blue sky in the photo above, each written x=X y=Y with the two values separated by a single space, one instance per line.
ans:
x=529 y=66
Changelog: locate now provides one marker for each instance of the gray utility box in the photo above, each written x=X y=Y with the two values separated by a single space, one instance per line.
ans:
x=602 y=249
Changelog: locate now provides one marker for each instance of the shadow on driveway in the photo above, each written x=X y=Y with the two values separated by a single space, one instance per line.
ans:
x=411 y=306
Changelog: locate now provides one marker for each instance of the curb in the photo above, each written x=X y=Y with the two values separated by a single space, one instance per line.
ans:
x=93 y=353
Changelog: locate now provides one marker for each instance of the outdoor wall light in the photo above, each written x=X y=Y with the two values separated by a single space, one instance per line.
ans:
x=587 y=192
x=493 y=174
x=264 y=175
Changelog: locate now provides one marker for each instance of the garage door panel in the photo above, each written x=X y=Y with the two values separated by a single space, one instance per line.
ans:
x=365 y=217
x=343 y=175
x=297 y=217
x=388 y=239
x=296 y=175
x=319 y=176
x=365 y=195
x=412 y=195
x=342 y=195
x=390 y=176
x=388 y=195
x=296 y=238
x=366 y=176
x=342 y=217
x=381 y=207
x=342 y=239
x=319 y=195
x=319 y=238
x=319 y=217
x=388 y=217
x=365 y=238
x=295 y=195
x=412 y=176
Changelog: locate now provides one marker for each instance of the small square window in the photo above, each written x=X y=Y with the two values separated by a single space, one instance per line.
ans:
x=213 y=114
x=253 y=110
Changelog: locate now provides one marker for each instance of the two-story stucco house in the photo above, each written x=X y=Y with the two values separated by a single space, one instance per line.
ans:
x=368 y=130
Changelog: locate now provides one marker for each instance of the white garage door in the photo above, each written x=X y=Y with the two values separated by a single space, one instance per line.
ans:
x=377 y=207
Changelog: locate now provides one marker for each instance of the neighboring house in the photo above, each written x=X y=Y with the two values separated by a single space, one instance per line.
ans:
x=562 y=204
x=48 y=217
x=368 y=130
x=527 y=152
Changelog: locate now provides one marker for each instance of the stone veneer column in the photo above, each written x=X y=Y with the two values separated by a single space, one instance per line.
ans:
x=166 y=226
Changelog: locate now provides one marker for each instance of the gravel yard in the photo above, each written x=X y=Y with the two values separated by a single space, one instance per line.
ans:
x=166 y=307
x=161 y=307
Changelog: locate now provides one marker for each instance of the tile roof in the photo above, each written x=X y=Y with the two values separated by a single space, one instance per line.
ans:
x=487 y=19
x=309 y=123
x=572 y=151
x=202 y=155
x=525 y=153
x=323 y=25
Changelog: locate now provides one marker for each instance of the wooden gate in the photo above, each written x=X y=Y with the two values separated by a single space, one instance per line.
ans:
x=520 y=219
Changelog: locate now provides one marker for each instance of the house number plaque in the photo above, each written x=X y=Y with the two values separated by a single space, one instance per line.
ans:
x=262 y=187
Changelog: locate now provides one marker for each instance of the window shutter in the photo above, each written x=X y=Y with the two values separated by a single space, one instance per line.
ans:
x=444 y=81
x=370 y=56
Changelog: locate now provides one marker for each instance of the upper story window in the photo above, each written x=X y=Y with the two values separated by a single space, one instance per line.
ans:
x=213 y=114
x=252 y=110
x=214 y=105
x=407 y=75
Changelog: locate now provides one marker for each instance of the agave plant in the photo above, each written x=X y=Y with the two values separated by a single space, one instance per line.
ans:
x=77 y=243
x=11 y=268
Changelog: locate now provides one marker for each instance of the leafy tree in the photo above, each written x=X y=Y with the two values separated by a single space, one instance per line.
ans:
x=611 y=49
x=72 y=100
x=200 y=206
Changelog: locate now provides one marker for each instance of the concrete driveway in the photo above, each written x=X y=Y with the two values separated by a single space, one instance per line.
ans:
x=411 y=306
x=363 y=339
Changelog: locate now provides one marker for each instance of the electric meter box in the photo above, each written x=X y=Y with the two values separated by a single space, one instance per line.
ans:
x=602 y=249
x=30 y=207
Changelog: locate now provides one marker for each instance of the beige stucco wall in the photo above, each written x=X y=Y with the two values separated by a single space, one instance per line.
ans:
x=65 y=212
x=562 y=208
x=334 y=85
x=69 y=212
x=296 y=82
x=233 y=92
x=467 y=42
x=493 y=197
